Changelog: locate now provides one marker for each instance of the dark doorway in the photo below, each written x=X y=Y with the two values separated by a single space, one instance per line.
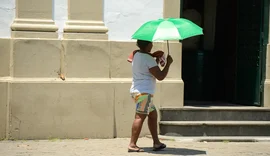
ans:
x=225 y=66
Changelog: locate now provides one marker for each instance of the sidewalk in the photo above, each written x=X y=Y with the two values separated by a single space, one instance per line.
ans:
x=118 y=147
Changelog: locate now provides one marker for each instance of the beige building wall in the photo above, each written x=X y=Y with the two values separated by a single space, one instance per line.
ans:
x=5 y=63
x=88 y=103
x=3 y=108
x=77 y=87
x=267 y=80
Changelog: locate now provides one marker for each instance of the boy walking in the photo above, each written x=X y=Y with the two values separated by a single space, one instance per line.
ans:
x=145 y=71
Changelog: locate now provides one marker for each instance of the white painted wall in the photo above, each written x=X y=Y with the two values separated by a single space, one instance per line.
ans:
x=122 y=17
x=7 y=14
x=60 y=15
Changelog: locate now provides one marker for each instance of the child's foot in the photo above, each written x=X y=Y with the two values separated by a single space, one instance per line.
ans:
x=158 y=147
x=135 y=149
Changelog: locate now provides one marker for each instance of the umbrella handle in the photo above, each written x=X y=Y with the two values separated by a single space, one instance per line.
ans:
x=168 y=47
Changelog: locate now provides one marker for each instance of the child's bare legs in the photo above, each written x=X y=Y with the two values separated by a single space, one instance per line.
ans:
x=144 y=108
x=136 y=130
x=137 y=126
x=152 y=125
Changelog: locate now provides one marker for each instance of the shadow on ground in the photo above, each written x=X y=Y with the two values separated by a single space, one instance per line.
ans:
x=175 y=151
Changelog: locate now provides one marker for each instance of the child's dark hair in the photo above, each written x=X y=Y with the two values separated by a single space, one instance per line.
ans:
x=142 y=44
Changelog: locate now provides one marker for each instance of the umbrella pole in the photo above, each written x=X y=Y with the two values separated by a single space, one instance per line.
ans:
x=168 y=47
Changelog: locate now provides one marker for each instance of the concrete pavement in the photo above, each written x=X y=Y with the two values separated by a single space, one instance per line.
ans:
x=118 y=147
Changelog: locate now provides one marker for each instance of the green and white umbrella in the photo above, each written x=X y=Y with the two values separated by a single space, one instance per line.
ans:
x=167 y=29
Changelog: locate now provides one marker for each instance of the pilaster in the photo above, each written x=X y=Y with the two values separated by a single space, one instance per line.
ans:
x=85 y=20
x=34 y=20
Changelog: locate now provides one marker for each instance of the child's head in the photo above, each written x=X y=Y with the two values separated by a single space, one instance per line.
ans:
x=145 y=46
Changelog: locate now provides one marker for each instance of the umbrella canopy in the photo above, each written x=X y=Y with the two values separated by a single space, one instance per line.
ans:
x=167 y=29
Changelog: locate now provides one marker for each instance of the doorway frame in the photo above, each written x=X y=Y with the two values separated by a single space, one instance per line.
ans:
x=265 y=48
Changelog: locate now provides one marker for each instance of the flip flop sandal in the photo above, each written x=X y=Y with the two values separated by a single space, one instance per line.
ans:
x=160 y=147
x=136 y=150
